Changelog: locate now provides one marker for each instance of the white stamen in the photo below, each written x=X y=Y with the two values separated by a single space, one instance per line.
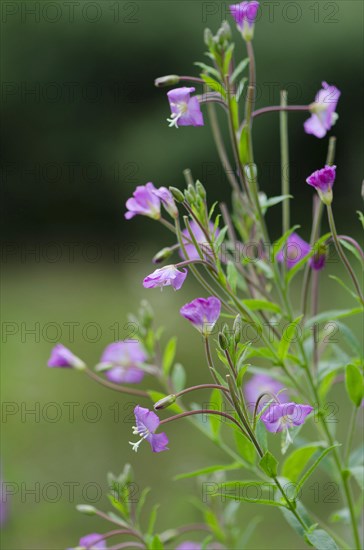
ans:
x=143 y=432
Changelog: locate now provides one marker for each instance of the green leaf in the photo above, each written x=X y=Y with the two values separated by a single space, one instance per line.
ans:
x=214 y=85
x=212 y=521
x=261 y=435
x=220 y=239
x=268 y=464
x=321 y=540
x=209 y=470
x=169 y=355
x=245 y=448
x=227 y=58
x=350 y=338
x=141 y=502
x=208 y=69
x=244 y=145
x=267 y=203
x=178 y=377
x=265 y=501
x=216 y=402
x=240 y=88
x=354 y=384
x=298 y=459
x=239 y=69
x=332 y=315
x=308 y=473
x=232 y=275
x=341 y=283
x=155 y=544
x=352 y=249
x=292 y=520
x=262 y=305
x=288 y=334
x=152 y=519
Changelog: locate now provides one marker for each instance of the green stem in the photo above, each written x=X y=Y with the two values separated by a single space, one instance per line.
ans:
x=349 y=440
x=341 y=253
x=111 y=386
x=318 y=211
x=221 y=148
x=284 y=162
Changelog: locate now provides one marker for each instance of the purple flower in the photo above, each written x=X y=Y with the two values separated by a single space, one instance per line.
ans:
x=166 y=276
x=189 y=545
x=294 y=250
x=63 y=357
x=245 y=14
x=201 y=241
x=318 y=260
x=165 y=196
x=144 y=202
x=323 y=111
x=93 y=541
x=261 y=383
x=202 y=313
x=146 y=424
x=185 y=109
x=122 y=361
x=281 y=416
x=323 y=180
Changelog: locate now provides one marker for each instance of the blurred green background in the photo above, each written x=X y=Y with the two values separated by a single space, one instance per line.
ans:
x=82 y=126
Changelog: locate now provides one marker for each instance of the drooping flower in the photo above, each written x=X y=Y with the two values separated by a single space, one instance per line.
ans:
x=259 y=384
x=189 y=545
x=202 y=313
x=296 y=248
x=185 y=110
x=93 y=541
x=323 y=181
x=144 y=202
x=121 y=362
x=323 y=115
x=165 y=196
x=63 y=357
x=281 y=416
x=318 y=260
x=293 y=251
x=168 y=275
x=245 y=15
x=201 y=239
x=147 y=423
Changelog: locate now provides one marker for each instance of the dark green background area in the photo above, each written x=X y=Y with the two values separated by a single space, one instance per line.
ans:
x=82 y=125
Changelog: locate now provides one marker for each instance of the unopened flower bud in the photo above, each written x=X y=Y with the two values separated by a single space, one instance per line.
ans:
x=223 y=341
x=237 y=329
x=169 y=80
x=208 y=38
x=86 y=509
x=146 y=313
x=177 y=194
x=192 y=190
x=165 y=402
x=189 y=197
x=201 y=190
x=162 y=255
